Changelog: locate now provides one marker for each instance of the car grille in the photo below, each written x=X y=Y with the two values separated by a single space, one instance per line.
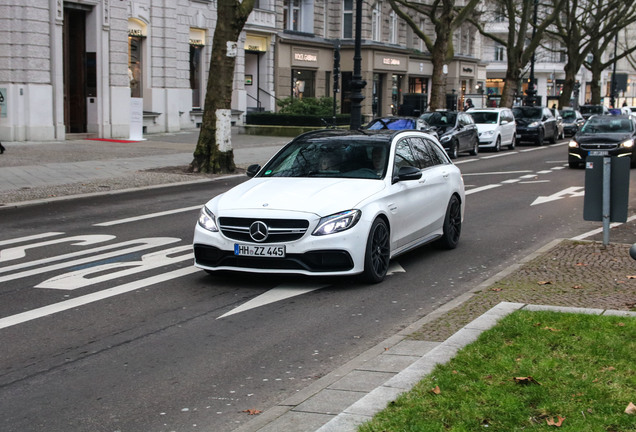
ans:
x=599 y=145
x=278 y=230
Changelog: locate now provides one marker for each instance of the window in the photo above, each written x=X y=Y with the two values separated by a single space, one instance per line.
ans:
x=421 y=152
x=403 y=157
x=291 y=15
x=376 y=22
x=393 y=31
x=347 y=19
x=303 y=83
x=500 y=52
x=135 y=66
x=195 y=74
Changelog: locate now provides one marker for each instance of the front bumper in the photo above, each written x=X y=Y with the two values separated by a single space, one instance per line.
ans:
x=335 y=254
x=578 y=154
x=528 y=134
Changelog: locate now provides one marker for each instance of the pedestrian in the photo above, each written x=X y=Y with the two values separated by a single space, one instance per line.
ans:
x=469 y=104
x=2 y=149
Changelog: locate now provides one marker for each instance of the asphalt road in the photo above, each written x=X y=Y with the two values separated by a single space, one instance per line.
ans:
x=106 y=326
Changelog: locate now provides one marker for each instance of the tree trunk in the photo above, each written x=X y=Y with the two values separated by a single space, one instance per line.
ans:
x=213 y=153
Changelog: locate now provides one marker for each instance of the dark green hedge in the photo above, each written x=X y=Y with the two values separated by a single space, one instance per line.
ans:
x=274 y=119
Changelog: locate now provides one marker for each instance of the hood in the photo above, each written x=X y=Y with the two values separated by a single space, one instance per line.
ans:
x=602 y=138
x=320 y=196
x=526 y=121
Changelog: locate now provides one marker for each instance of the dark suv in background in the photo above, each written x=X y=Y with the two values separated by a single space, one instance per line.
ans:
x=456 y=131
x=589 y=110
x=535 y=124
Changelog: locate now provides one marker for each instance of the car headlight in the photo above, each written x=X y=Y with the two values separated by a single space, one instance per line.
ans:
x=487 y=134
x=207 y=220
x=573 y=144
x=627 y=144
x=337 y=222
x=445 y=138
x=534 y=124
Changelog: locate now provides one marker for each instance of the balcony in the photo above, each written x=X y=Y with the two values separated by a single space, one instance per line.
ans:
x=261 y=18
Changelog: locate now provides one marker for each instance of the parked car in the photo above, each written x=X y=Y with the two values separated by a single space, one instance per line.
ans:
x=572 y=121
x=535 y=124
x=632 y=110
x=589 y=110
x=335 y=202
x=557 y=115
x=604 y=135
x=456 y=130
x=496 y=127
x=399 y=123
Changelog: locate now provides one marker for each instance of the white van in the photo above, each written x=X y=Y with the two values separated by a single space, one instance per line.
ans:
x=496 y=127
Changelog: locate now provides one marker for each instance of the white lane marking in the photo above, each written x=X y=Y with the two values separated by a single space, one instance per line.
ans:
x=464 y=161
x=29 y=238
x=81 y=278
x=279 y=293
x=395 y=267
x=511 y=181
x=574 y=191
x=534 y=181
x=482 y=188
x=85 y=240
x=497 y=173
x=148 y=216
x=599 y=230
x=529 y=176
x=142 y=244
x=498 y=155
x=532 y=149
x=544 y=172
x=90 y=298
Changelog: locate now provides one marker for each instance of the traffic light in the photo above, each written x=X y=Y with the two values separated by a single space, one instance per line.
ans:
x=336 y=69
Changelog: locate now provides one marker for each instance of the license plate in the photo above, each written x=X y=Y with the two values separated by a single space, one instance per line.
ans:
x=598 y=153
x=259 y=251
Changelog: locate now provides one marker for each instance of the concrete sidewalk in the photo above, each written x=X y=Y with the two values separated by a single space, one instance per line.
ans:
x=29 y=171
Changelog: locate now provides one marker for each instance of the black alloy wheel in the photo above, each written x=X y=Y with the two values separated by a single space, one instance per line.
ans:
x=376 y=257
x=452 y=224
x=453 y=152
x=475 y=150
x=540 y=137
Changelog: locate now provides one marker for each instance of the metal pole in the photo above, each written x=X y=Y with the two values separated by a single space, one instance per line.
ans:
x=613 y=87
x=531 y=92
x=607 y=175
x=357 y=83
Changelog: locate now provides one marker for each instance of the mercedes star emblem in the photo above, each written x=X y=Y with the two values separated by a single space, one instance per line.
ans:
x=259 y=231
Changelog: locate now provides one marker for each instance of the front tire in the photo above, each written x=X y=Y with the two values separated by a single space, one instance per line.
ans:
x=498 y=144
x=540 y=137
x=475 y=149
x=377 y=254
x=513 y=143
x=452 y=224
x=453 y=152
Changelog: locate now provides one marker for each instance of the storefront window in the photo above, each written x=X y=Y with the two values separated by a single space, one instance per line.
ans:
x=195 y=73
x=303 y=83
x=418 y=85
x=396 y=94
x=135 y=66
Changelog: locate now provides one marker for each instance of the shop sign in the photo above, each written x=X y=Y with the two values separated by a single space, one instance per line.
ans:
x=390 y=62
x=136 y=28
x=197 y=37
x=256 y=43
x=303 y=56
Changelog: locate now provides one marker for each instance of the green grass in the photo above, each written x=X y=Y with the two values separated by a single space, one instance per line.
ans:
x=584 y=367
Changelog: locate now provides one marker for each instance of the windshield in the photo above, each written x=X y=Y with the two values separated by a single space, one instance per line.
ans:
x=484 y=117
x=591 y=109
x=568 y=115
x=440 y=118
x=527 y=112
x=341 y=157
x=391 y=123
x=606 y=124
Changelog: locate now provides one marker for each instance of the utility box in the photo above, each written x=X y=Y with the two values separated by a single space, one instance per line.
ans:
x=618 y=188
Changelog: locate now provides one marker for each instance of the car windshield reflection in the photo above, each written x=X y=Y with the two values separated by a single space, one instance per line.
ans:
x=527 y=112
x=346 y=158
x=604 y=125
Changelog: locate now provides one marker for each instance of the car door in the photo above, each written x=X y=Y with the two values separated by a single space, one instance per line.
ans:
x=549 y=123
x=405 y=198
x=507 y=126
x=434 y=188
x=465 y=133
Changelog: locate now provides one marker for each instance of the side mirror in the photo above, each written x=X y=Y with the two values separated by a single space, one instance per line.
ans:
x=407 y=173
x=252 y=170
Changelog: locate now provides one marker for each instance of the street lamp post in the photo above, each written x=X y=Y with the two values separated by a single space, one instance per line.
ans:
x=531 y=92
x=614 y=83
x=357 y=83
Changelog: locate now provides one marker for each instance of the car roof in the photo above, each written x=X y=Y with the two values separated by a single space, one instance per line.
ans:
x=488 y=109
x=384 y=135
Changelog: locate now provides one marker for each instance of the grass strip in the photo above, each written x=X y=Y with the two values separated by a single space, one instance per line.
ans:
x=533 y=371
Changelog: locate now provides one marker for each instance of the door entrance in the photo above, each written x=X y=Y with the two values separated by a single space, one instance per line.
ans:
x=74 y=70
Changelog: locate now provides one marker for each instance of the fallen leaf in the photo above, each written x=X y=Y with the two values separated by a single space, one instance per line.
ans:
x=526 y=380
x=608 y=369
x=544 y=283
x=577 y=287
x=496 y=289
x=557 y=423
x=436 y=390
x=631 y=277
x=550 y=328
x=621 y=324
x=252 y=411
x=631 y=409
x=581 y=264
